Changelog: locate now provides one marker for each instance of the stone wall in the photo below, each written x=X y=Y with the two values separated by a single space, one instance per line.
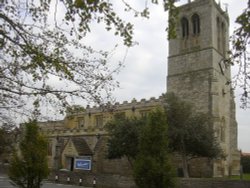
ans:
x=102 y=180
x=213 y=183
x=103 y=165
x=117 y=181
x=3 y=168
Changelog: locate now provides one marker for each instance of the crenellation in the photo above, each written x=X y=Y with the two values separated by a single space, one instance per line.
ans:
x=117 y=106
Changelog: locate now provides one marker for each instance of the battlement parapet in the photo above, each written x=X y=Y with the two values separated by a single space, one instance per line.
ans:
x=133 y=104
x=75 y=132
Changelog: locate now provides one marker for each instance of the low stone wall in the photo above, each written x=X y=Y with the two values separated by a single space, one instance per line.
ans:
x=102 y=181
x=117 y=181
x=4 y=168
x=73 y=177
x=213 y=183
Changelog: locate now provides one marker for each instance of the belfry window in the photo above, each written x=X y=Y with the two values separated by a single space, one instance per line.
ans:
x=196 y=24
x=185 y=27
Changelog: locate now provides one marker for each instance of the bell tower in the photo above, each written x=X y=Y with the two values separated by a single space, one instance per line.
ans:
x=197 y=72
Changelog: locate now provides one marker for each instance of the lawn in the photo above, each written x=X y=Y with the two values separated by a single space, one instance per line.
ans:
x=244 y=177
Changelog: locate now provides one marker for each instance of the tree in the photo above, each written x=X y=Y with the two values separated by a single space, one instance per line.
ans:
x=42 y=42
x=245 y=162
x=8 y=138
x=152 y=167
x=144 y=142
x=239 y=54
x=30 y=167
x=190 y=133
x=4 y=134
x=123 y=140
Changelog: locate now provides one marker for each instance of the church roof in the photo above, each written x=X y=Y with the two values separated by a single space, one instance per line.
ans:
x=81 y=146
x=245 y=154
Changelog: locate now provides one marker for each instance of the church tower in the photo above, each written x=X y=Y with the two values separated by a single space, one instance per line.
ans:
x=197 y=73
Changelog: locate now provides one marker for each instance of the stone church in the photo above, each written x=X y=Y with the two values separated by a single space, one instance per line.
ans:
x=197 y=72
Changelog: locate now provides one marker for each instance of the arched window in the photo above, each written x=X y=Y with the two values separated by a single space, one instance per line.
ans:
x=196 y=24
x=185 y=28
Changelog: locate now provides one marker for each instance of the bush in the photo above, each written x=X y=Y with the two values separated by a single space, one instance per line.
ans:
x=245 y=162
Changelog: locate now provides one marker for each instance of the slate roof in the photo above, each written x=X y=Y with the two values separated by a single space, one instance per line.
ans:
x=81 y=146
x=245 y=154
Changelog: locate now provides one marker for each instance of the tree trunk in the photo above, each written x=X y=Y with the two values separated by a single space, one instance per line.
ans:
x=185 y=165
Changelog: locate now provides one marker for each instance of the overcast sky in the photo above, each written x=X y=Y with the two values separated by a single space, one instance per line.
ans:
x=145 y=71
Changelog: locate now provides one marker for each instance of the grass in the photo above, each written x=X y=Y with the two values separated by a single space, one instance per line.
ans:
x=244 y=177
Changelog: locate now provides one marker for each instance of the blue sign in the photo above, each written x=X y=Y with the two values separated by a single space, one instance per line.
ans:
x=83 y=164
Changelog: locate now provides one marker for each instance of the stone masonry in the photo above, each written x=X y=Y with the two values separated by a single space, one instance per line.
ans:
x=197 y=72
